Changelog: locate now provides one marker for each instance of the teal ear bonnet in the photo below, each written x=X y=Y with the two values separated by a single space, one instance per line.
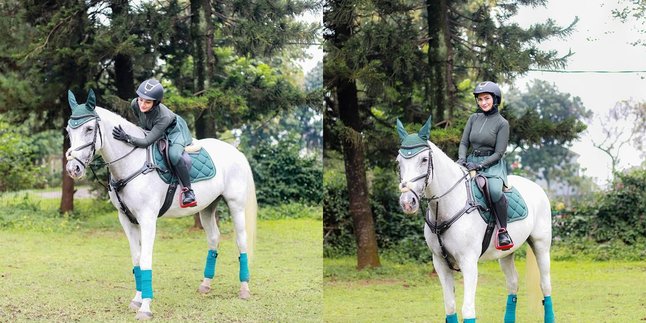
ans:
x=413 y=144
x=81 y=113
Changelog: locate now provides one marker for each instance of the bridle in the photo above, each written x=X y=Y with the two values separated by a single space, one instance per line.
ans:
x=89 y=163
x=404 y=186
x=92 y=145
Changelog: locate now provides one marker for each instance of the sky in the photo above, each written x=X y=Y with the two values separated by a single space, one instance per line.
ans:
x=599 y=42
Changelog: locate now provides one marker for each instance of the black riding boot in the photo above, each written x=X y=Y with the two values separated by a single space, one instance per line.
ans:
x=188 y=197
x=504 y=240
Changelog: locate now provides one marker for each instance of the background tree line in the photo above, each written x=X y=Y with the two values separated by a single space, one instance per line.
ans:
x=228 y=67
x=411 y=59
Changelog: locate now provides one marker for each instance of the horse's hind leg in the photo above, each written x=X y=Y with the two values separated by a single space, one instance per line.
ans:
x=134 y=240
x=236 y=208
x=541 y=247
x=209 y=222
x=511 y=276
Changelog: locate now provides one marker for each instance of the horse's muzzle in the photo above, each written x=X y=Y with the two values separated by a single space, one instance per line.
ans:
x=409 y=203
x=75 y=169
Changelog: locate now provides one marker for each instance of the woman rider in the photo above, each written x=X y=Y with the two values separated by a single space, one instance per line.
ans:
x=161 y=121
x=487 y=132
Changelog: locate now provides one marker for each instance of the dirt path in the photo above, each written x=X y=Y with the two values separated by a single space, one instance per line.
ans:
x=82 y=192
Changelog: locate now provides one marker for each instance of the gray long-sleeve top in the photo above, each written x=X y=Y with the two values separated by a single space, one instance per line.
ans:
x=157 y=120
x=485 y=133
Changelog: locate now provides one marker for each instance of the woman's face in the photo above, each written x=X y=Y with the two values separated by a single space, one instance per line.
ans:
x=145 y=105
x=485 y=101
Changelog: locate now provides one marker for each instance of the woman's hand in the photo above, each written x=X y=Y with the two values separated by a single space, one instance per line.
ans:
x=119 y=134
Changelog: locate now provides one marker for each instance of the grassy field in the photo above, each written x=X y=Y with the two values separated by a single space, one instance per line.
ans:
x=74 y=268
x=582 y=292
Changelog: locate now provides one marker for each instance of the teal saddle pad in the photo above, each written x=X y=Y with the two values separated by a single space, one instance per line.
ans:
x=516 y=210
x=202 y=167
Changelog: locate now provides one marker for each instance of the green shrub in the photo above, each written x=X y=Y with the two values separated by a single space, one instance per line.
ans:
x=400 y=237
x=282 y=176
x=18 y=159
x=621 y=214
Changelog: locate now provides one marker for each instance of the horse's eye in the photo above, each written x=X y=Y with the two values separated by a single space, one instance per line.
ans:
x=425 y=159
x=89 y=129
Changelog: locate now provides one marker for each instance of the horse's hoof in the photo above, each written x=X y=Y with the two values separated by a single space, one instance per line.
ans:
x=204 y=289
x=134 y=305
x=143 y=316
x=245 y=294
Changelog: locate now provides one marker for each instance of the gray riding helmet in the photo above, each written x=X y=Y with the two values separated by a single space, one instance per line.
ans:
x=488 y=87
x=151 y=90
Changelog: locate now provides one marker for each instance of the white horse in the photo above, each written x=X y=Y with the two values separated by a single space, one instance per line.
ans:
x=457 y=232
x=89 y=130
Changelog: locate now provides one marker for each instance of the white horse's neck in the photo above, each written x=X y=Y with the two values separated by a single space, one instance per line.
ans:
x=113 y=149
x=446 y=173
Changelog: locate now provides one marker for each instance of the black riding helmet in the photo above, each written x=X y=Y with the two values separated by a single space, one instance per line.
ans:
x=151 y=90
x=491 y=88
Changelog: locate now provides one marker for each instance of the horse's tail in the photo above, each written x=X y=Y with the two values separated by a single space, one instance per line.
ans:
x=250 y=212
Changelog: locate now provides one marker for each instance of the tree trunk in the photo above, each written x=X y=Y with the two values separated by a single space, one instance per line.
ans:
x=67 y=196
x=210 y=55
x=355 y=174
x=437 y=12
x=123 y=73
x=350 y=136
x=197 y=44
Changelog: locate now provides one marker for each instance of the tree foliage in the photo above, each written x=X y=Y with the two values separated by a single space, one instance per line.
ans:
x=544 y=122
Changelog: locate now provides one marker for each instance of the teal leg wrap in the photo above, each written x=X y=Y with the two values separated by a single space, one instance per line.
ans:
x=209 y=268
x=136 y=270
x=549 y=310
x=510 y=310
x=470 y=320
x=147 y=283
x=453 y=318
x=244 y=268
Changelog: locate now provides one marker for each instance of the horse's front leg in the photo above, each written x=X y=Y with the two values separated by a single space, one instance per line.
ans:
x=134 y=240
x=445 y=275
x=148 y=227
x=469 y=268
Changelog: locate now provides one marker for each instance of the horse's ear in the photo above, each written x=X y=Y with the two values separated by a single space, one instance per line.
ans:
x=425 y=132
x=91 y=100
x=71 y=99
x=401 y=131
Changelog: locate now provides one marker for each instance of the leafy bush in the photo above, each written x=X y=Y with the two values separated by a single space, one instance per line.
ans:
x=621 y=214
x=282 y=176
x=400 y=237
x=17 y=159
x=616 y=215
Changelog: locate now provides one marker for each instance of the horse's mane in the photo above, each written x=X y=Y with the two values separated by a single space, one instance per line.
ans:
x=115 y=119
x=439 y=153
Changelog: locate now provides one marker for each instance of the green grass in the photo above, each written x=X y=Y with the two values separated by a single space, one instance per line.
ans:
x=80 y=268
x=582 y=291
